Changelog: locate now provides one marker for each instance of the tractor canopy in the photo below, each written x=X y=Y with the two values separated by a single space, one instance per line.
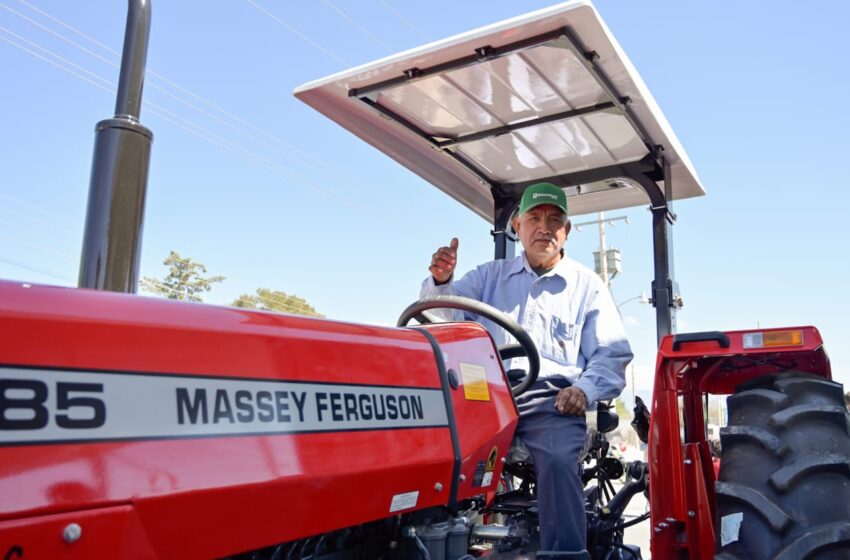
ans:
x=547 y=96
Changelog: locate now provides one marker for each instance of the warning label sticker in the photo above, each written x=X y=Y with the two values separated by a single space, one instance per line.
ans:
x=475 y=386
x=491 y=466
x=404 y=501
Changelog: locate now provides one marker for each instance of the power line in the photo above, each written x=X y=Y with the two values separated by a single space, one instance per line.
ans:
x=59 y=35
x=354 y=23
x=66 y=26
x=35 y=229
x=325 y=166
x=278 y=303
x=37 y=270
x=186 y=124
x=61 y=227
x=267 y=299
x=43 y=211
x=101 y=86
x=111 y=85
x=406 y=21
x=273 y=301
x=40 y=57
x=268 y=145
x=237 y=148
x=296 y=32
x=35 y=246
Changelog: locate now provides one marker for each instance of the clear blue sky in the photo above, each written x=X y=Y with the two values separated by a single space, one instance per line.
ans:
x=755 y=91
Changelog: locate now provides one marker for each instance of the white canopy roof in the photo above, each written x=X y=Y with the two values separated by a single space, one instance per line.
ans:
x=510 y=104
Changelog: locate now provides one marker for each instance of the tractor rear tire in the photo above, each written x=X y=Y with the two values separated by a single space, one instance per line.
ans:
x=784 y=486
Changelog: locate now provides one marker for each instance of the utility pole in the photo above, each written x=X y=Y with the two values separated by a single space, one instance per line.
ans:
x=603 y=268
x=603 y=254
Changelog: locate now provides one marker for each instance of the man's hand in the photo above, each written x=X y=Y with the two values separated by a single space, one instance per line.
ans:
x=443 y=262
x=571 y=400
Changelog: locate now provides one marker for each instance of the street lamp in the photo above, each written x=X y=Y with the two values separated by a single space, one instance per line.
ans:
x=642 y=298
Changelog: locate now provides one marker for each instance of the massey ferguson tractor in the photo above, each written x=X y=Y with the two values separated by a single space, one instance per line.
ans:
x=139 y=428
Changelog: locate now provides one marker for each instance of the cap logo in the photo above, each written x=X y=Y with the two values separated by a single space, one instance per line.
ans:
x=547 y=195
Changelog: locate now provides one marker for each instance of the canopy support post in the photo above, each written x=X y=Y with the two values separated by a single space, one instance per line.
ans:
x=502 y=212
x=665 y=291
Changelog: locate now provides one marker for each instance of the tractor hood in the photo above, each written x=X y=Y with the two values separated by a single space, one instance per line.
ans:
x=549 y=95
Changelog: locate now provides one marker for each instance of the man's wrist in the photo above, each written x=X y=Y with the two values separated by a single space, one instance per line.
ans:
x=589 y=394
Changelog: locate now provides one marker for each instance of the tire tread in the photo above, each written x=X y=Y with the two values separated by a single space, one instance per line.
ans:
x=761 y=504
x=786 y=477
x=830 y=536
x=755 y=396
x=768 y=441
x=795 y=414
x=788 y=433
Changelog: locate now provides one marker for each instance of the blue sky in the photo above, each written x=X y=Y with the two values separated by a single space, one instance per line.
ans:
x=240 y=169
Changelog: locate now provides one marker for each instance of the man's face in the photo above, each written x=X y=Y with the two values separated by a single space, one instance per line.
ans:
x=542 y=231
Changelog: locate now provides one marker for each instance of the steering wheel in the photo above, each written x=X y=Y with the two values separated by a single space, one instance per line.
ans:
x=526 y=346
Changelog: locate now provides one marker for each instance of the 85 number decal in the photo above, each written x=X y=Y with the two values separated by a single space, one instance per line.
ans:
x=25 y=405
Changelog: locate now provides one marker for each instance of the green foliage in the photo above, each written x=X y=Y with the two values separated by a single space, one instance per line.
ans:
x=186 y=279
x=273 y=300
x=623 y=412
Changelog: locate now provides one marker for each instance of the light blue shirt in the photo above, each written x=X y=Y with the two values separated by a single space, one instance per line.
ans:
x=568 y=312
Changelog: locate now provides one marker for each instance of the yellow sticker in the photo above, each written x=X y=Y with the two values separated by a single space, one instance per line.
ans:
x=475 y=386
x=491 y=459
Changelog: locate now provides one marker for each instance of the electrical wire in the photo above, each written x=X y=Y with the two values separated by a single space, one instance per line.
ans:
x=186 y=124
x=271 y=301
x=36 y=232
x=406 y=21
x=41 y=221
x=161 y=112
x=42 y=210
x=35 y=246
x=320 y=166
x=37 y=270
x=356 y=25
x=292 y=29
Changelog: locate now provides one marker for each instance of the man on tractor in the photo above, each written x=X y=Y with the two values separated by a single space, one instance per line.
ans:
x=570 y=315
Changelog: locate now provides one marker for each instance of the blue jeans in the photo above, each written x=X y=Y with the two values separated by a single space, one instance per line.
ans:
x=555 y=441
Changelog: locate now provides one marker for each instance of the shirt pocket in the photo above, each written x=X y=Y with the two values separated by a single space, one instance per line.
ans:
x=562 y=340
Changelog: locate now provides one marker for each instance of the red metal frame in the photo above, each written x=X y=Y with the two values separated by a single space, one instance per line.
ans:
x=682 y=476
x=202 y=497
x=214 y=496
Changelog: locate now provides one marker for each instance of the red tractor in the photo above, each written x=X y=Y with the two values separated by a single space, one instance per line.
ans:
x=139 y=428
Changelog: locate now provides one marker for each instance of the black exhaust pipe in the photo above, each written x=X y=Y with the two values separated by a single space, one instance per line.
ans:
x=113 y=235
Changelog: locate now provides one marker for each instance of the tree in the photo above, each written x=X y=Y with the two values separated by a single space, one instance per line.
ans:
x=186 y=279
x=623 y=412
x=274 y=300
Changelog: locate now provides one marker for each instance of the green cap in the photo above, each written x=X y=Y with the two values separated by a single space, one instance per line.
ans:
x=542 y=193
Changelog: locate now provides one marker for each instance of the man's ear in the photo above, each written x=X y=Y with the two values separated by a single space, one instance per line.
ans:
x=515 y=223
x=567 y=228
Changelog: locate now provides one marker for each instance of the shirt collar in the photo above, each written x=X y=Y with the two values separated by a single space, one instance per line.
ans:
x=521 y=263
x=518 y=265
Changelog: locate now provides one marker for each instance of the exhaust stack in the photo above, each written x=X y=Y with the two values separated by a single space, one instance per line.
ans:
x=113 y=234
